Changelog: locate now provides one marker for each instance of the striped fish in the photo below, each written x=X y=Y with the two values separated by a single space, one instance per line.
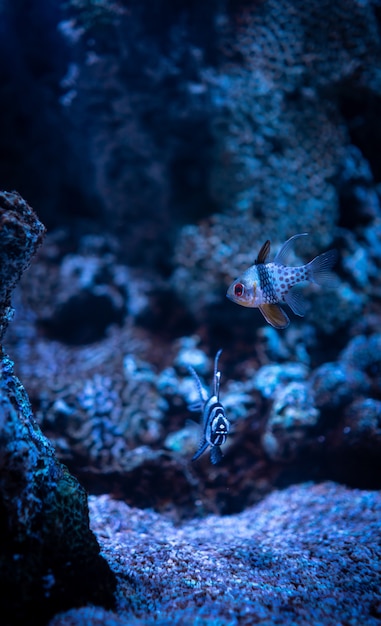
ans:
x=215 y=424
x=266 y=285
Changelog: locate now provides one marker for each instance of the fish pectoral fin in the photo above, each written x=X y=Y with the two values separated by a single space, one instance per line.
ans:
x=203 y=446
x=295 y=300
x=195 y=406
x=263 y=253
x=274 y=315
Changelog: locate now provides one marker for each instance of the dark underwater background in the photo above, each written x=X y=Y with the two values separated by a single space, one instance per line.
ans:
x=161 y=143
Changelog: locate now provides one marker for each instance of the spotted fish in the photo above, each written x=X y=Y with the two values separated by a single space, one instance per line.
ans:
x=266 y=285
x=215 y=424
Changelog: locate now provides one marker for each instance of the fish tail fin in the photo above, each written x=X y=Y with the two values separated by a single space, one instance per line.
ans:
x=319 y=269
x=216 y=455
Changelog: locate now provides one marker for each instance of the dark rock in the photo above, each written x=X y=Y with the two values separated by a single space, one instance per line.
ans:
x=20 y=235
x=49 y=558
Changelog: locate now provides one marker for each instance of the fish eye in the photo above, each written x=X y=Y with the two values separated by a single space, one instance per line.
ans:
x=238 y=289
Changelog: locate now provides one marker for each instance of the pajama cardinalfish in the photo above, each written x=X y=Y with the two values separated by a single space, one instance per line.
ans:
x=267 y=285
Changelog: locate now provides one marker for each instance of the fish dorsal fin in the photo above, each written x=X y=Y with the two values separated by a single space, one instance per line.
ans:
x=281 y=256
x=263 y=253
x=274 y=315
x=216 y=376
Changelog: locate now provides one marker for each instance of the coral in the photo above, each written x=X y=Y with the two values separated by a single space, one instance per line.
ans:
x=76 y=347
x=336 y=384
x=117 y=409
x=178 y=137
x=200 y=128
x=107 y=413
x=122 y=424
x=292 y=417
x=49 y=558
x=98 y=402
x=190 y=355
x=347 y=394
x=77 y=294
x=295 y=344
x=280 y=141
x=239 y=124
x=360 y=197
x=270 y=377
x=363 y=353
x=332 y=310
x=185 y=441
x=362 y=425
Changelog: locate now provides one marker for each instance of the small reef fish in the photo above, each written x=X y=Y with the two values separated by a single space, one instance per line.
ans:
x=214 y=421
x=266 y=285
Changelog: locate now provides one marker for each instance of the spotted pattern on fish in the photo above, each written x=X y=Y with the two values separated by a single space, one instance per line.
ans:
x=282 y=279
x=266 y=285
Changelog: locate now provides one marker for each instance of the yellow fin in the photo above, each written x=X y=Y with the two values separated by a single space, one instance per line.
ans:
x=274 y=315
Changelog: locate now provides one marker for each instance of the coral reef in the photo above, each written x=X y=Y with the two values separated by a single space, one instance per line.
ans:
x=281 y=147
x=308 y=554
x=49 y=558
x=336 y=384
x=122 y=424
x=292 y=416
x=86 y=281
x=98 y=402
x=362 y=425
x=195 y=133
x=163 y=144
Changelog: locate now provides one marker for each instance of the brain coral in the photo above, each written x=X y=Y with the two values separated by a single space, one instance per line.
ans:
x=97 y=402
